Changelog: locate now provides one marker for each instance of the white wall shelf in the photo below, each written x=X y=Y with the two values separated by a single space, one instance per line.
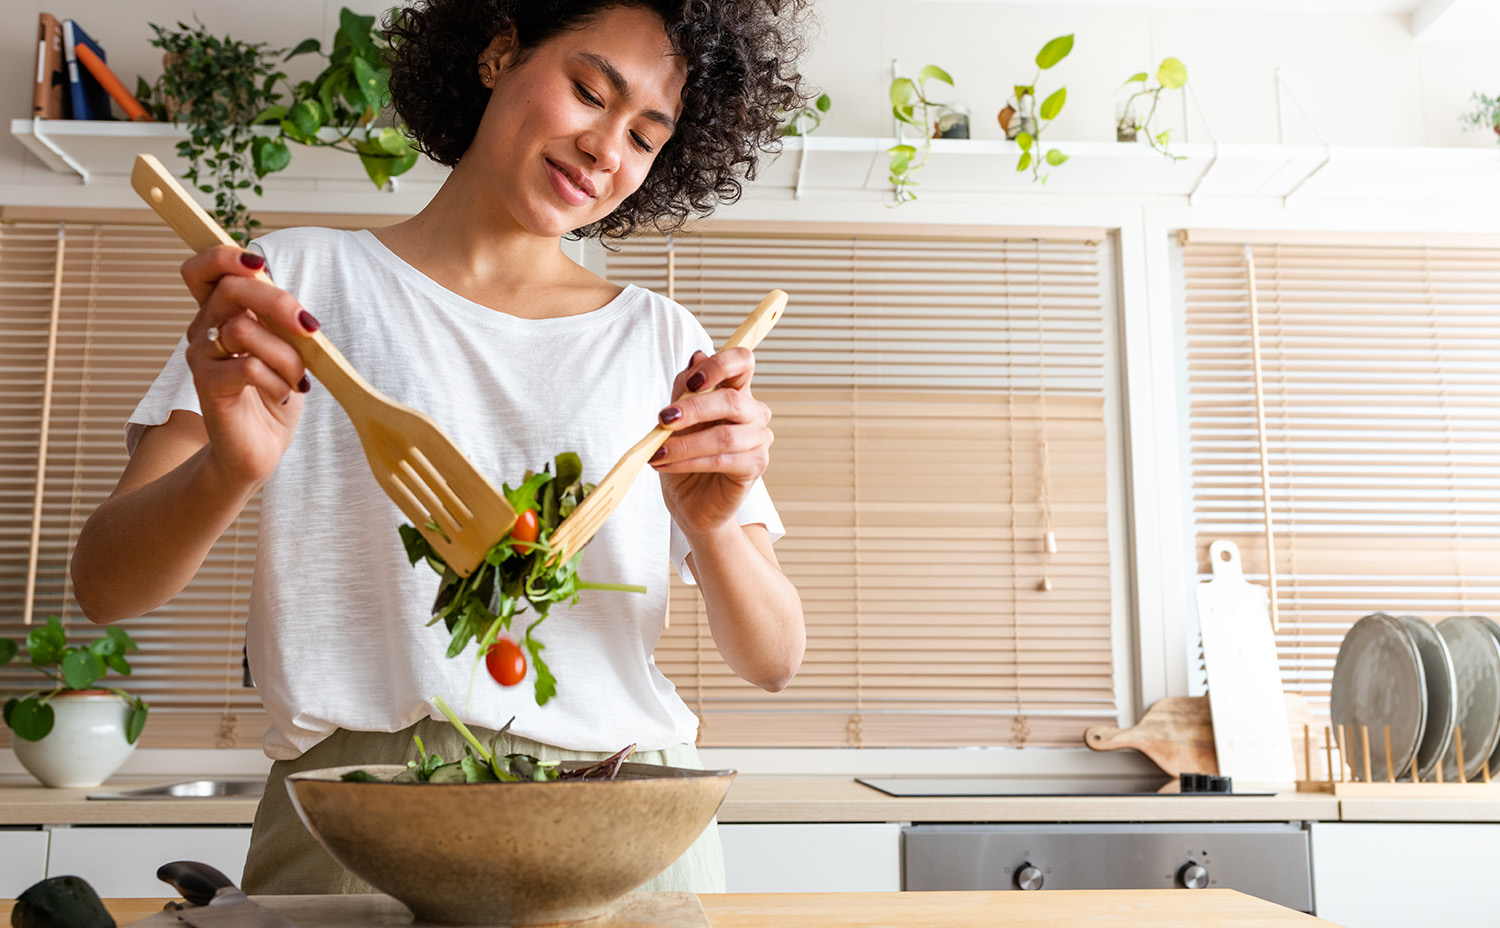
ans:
x=829 y=167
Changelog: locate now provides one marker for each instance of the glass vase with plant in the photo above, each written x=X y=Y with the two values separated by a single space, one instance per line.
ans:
x=69 y=669
x=1037 y=117
x=912 y=105
x=216 y=87
x=1130 y=125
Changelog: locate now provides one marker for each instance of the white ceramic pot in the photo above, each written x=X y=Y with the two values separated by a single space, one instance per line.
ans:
x=86 y=744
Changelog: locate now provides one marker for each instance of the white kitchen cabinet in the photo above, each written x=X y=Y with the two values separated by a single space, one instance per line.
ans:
x=122 y=862
x=1402 y=875
x=821 y=858
x=23 y=859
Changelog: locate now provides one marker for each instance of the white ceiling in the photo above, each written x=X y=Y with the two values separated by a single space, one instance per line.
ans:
x=1431 y=20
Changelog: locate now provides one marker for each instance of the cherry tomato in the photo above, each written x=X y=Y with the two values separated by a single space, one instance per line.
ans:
x=525 y=529
x=505 y=662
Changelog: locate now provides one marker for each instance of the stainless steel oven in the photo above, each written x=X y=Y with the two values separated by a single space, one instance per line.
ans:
x=1268 y=860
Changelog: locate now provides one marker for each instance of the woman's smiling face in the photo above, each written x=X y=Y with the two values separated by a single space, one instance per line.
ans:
x=573 y=129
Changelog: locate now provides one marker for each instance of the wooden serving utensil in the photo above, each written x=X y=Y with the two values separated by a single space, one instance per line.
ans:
x=581 y=525
x=455 y=507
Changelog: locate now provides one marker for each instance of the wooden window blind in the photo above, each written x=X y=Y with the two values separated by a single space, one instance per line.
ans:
x=120 y=309
x=939 y=415
x=1380 y=391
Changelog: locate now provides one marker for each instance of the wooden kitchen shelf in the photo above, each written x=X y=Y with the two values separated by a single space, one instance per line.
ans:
x=833 y=167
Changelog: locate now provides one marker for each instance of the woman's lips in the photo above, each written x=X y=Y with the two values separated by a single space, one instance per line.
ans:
x=574 y=193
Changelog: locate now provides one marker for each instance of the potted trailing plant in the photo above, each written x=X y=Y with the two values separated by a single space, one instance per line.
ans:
x=70 y=732
x=215 y=87
x=1485 y=113
x=807 y=120
x=912 y=105
x=1130 y=125
x=1030 y=119
x=348 y=95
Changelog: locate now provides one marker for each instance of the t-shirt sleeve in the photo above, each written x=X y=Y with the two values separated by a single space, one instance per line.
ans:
x=173 y=389
x=757 y=509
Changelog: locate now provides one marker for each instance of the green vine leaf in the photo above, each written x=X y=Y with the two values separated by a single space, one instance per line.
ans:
x=1140 y=77
x=8 y=650
x=936 y=73
x=1054 y=51
x=1054 y=104
x=1025 y=161
x=1055 y=157
x=1172 y=74
x=304 y=47
x=1024 y=140
x=902 y=90
x=137 y=719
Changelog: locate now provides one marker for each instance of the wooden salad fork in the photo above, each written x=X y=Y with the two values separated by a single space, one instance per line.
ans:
x=581 y=525
x=460 y=513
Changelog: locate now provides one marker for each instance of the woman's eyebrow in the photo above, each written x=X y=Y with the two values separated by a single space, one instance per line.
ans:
x=622 y=87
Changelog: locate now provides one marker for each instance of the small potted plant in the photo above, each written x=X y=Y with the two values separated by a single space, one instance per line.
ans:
x=1130 y=125
x=806 y=120
x=1485 y=113
x=913 y=105
x=1023 y=119
x=70 y=732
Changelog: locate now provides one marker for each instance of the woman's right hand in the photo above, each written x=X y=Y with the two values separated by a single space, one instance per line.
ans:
x=250 y=382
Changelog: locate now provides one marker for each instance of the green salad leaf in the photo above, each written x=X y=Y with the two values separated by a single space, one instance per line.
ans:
x=516 y=576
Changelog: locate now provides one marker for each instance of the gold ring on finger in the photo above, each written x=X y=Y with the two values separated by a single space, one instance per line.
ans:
x=217 y=342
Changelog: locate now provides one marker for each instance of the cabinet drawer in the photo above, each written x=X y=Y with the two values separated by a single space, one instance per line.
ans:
x=122 y=862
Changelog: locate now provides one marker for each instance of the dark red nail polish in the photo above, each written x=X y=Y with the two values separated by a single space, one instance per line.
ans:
x=695 y=382
x=304 y=384
x=660 y=453
x=252 y=260
x=670 y=414
x=307 y=320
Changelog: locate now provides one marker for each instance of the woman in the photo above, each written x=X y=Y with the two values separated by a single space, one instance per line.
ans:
x=594 y=117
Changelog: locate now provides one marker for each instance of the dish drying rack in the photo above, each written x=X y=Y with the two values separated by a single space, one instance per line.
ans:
x=1357 y=784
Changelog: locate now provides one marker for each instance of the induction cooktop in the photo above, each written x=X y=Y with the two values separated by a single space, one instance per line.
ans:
x=908 y=787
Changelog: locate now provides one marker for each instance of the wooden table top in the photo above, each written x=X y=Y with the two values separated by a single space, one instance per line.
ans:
x=1146 y=908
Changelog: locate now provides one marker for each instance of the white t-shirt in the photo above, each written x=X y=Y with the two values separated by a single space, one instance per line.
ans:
x=337 y=632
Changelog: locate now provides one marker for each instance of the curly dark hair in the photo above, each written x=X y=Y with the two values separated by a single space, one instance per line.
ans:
x=742 y=80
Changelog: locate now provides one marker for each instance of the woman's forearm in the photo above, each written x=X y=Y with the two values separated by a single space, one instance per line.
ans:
x=141 y=547
x=753 y=610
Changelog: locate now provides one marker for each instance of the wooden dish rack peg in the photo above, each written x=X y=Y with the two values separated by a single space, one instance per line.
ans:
x=1341 y=778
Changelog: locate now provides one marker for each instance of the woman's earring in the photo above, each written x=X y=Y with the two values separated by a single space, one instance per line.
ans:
x=486 y=75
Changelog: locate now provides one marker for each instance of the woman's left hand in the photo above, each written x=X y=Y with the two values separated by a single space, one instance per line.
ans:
x=721 y=442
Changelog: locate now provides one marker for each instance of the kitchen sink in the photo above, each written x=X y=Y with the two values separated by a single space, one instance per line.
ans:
x=193 y=789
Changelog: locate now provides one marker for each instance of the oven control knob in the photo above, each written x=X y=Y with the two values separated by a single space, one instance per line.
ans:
x=1028 y=877
x=1193 y=875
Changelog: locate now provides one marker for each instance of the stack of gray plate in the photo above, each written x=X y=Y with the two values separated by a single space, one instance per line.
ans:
x=1423 y=681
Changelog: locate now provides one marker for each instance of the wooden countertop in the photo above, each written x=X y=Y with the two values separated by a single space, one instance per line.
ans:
x=754 y=798
x=1149 y=908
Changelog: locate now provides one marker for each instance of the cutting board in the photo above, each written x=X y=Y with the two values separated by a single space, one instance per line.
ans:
x=1244 y=683
x=1177 y=733
x=635 y=910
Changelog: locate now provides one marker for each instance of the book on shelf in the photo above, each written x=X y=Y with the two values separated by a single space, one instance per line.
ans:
x=49 y=95
x=111 y=84
x=88 y=97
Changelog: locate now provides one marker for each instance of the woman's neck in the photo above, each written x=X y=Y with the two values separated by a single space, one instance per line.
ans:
x=488 y=259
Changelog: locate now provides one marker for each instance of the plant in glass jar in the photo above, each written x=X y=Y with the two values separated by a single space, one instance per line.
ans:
x=912 y=105
x=1129 y=124
x=1023 y=120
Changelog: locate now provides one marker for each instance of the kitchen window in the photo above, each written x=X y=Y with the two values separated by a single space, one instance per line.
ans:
x=89 y=312
x=1377 y=421
x=944 y=439
x=941 y=457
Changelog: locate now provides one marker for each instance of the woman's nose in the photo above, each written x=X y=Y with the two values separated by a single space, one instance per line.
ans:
x=603 y=146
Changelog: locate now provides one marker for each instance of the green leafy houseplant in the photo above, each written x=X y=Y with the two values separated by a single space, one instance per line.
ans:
x=912 y=106
x=1170 y=75
x=347 y=95
x=1031 y=140
x=1485 y=113
x=807 y=120
x=216 y=87
x=70 y=668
